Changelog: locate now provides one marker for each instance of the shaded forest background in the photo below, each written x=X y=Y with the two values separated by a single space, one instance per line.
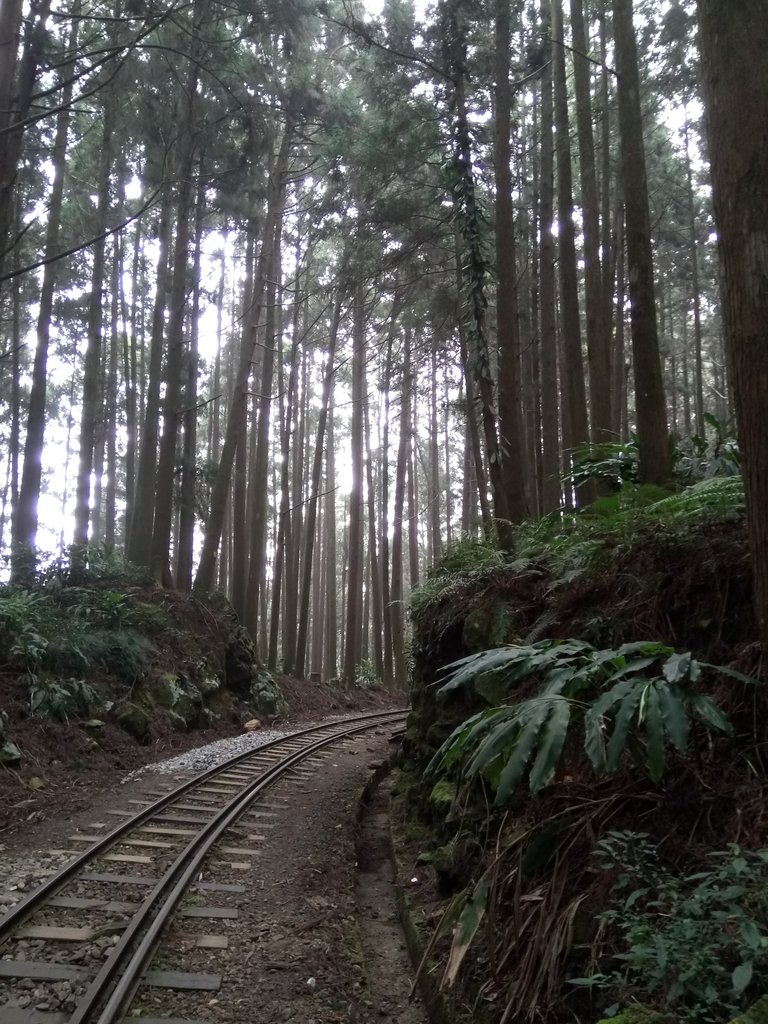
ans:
x=293 y=297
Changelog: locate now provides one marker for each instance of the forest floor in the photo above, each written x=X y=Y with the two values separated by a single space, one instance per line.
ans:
x=318 y=940
x=60 y=776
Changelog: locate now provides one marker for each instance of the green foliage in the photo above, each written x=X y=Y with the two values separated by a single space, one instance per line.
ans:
x=75 y=629
x=695 y=458
x=696 y=944
x=638 y=700
x=612 y=463
x=460 y=563
x=365 y=675
x=714 y=455
x=575 y=542
x=60 y=700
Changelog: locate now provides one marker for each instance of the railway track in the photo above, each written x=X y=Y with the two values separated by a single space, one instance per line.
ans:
x=181 y=836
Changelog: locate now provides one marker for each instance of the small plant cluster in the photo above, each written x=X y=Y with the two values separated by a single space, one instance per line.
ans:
x=366 y=675
x=61 y=699
x=631 y=701
x=694 y=944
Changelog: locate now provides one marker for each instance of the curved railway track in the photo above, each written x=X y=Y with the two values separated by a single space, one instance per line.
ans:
x=188 y=825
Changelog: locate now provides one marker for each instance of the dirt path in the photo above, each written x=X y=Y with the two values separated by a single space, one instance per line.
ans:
x=316 y=939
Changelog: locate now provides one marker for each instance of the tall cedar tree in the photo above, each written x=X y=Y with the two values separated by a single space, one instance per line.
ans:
x=734 y=49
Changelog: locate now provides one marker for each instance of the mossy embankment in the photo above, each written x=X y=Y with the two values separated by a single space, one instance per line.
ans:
x=97 y=665
x=526 y=879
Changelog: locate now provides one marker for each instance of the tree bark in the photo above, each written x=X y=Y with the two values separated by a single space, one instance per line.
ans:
x=514 y=469
x=24 y=531
x=91 y=390
x=598 y=346
x=352 y=648
x=650 y=407
x=206 y=570
x=572 y=378
x=734 y=48
x=550 y=446
x=311 y=516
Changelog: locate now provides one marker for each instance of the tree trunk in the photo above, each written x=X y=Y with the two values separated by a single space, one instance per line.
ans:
x=598 y=346
x=695 y=284
x=24 y=530
x=185 y=550
x=206 y=570
x=139 y=548
x=174 y=365
x=572 y=378
x=650 y=407
x=373 y=555
x=352 y=649
x=550 y=445
x=396 y=589
x=91 y=390
x=260 y=510
x=734 y=48
x=330 y=647
x=514 y=468
x=311 y=516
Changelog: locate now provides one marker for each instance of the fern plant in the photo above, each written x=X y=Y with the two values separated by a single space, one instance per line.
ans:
x=639 y=699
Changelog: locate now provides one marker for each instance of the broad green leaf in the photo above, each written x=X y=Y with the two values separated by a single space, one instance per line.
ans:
x=624 y=715
x=741 y=977
x=558 y=679
x=595 y=740
x=655 y=729
x=606 y=701
x=751 y=934
x=498 y=741
x=731 y=673
x=709 y=713
x=632 y=667
x=466 y=930
x=649 y=648
x=677 y=667
x=675 y=717
x=463 y=671
x=594 y=727
x=515 y=766
x=550 y=744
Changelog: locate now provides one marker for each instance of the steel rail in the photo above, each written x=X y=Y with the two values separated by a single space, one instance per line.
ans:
x=11 y=920
x=126 y=976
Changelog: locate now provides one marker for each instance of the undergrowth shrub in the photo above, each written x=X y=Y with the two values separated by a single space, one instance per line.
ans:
x=61 y=699
x=635 y=700
x=695 y=944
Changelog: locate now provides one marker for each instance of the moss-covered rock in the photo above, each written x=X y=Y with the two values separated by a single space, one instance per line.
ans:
x=189 y=704
x=265 y=696
x=443 y=794
x=176 y=721
x=208 y=685
x=757 y=1014
x=165 y=689
x=136 y=722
